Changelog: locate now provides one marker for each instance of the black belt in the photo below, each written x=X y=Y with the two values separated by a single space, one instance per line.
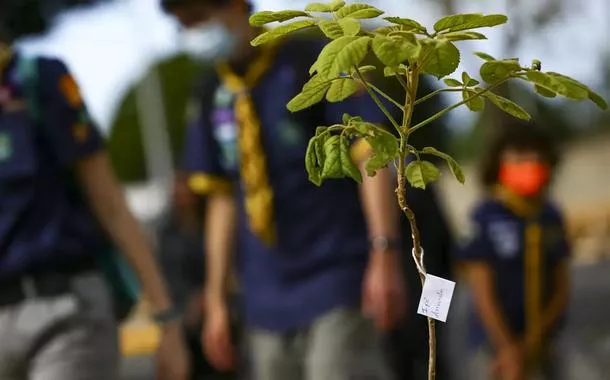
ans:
x=45 y=284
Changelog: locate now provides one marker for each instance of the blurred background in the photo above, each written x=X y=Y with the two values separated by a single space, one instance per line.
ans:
x=137 y=81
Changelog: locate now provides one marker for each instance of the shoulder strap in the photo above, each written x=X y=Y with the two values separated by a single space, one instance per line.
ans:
x=27 y=71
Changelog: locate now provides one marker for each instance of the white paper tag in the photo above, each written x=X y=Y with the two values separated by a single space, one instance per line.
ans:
x=436 y=298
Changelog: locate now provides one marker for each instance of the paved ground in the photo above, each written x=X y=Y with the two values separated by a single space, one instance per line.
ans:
x=587 y=338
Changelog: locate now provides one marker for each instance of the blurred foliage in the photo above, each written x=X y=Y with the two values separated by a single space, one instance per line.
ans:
x=125 y=141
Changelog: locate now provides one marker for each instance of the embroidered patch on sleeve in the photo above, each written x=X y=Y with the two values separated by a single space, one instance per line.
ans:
x=70 y=90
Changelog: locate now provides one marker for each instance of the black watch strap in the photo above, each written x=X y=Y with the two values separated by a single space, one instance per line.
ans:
x=167 y=316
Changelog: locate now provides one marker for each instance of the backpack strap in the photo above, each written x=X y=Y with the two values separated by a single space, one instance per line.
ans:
x=27 y=72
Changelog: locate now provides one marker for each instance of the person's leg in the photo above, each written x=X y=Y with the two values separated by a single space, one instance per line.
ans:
x=273 y=356
x=77 y=345
x=344 y=345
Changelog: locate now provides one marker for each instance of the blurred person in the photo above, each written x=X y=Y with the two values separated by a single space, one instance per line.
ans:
x=517 y=261
x=180 y=243
x=318 y=267
x=60 y=209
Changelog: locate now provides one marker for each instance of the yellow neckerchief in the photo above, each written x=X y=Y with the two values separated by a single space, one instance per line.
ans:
x=253 y=166
x=6 y=54
x=529 y=211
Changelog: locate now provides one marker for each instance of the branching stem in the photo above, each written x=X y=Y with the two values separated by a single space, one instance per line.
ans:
x=377 y=100
x=434 y=93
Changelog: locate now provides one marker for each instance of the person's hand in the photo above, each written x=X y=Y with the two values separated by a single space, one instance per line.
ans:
x=173 y=362
x=509 y=364
x=216 y=336
x=193 y=314
x=384 y=293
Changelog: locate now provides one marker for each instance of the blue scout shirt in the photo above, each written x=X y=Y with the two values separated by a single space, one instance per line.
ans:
x=500 y=240
x=40 y=226
x=322 y=246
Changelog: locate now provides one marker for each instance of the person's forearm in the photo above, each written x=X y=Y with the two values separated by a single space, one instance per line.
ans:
x=488 y=307
x=219 y=234
x=379 y=204
x=559 y=301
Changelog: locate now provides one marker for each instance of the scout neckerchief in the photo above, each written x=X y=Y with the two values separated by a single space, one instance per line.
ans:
x=532 y=259
x=6 y=54
x=253 y=166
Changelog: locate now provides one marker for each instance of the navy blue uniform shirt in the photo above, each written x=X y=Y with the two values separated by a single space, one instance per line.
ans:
x=322 y=247
x=41 y=224
x=500 y=241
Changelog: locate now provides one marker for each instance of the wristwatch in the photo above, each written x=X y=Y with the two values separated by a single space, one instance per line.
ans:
x=167 y=316
x=384 y=244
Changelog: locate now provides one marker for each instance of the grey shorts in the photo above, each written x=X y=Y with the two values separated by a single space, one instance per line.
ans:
x=69 y=337
x=340 y=345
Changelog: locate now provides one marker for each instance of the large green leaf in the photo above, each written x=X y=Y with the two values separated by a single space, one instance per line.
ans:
x=496 y=71
x=474 y=103
x=336 y=5
x=266 y=17
x=393 y=51
x=341 y=89
x=359 y=11
x=558 y=85
x=350 y=55
x=460 y=22
x=464 y=36
x=328 y=56
x=384 y=146
x=281 y=31
x=347 y=165
x=421 y=173
x=350 y=26
x=312 y=165
x=570 y=82
x=456 y=169
x=318 y=7
x=408 y=24
x=332 y=162
x=507 y=106
x=331 y=29
x=313 y=92
x=544 y=92
x=439 y=57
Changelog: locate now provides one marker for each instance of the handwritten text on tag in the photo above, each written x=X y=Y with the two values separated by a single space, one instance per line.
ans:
x=436 y=298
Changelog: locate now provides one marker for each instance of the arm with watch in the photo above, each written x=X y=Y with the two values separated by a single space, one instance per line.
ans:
x=383 y=292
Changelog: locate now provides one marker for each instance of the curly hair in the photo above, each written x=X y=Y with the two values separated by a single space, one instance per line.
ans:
x=521 y=136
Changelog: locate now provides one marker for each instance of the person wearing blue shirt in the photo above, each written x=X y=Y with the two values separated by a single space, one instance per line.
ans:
x=56 y=311
x=517 y=261
x=318 y=267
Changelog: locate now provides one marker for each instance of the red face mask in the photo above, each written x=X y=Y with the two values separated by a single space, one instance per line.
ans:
x=526 y=179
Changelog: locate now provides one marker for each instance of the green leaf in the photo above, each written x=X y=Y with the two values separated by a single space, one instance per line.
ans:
x=456 y=169
x=452 y=82
x=266 y=17
x=410 y=25
x=336 y=5
x=347 y=165
x=331 y=29
x=391 y=71
x=544 y=92
x=312 y=165
x=281 y=31
x=332 y=153
x=464 y=36
x=318 y=7
x=558 y=85
x=350 y=26
x=384 y=146
x=474 y=103
x=469 y=81
x=592 y=95
x=421 y=173
x=484 y=56
x=507 y=106
x=313 y=92
x=341 y=89
x=496 y=71
x=466 y=21
x=439 y=57
x=359 y=11
x=393 y=51
x=340 y=55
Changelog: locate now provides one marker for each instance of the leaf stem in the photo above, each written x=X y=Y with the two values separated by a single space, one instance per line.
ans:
x=380 y=92
x=449 y=109
x=402 y=82
x=377 y=100
x=434 y=93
